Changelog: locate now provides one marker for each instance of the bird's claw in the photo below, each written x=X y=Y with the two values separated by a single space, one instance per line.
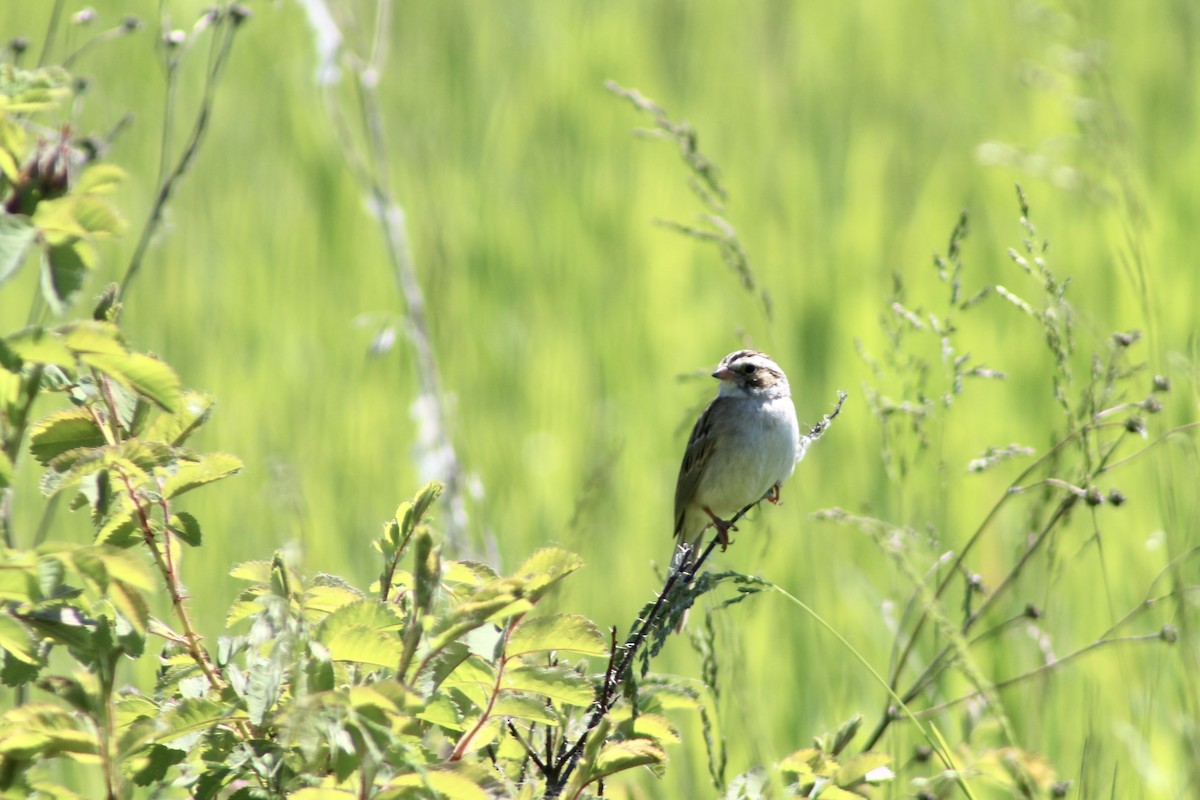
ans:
x=723 y=528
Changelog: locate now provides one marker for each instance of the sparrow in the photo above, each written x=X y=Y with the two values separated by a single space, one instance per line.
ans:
x=744 y=446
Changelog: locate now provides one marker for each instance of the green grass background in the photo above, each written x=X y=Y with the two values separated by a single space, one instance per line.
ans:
x=850 y=136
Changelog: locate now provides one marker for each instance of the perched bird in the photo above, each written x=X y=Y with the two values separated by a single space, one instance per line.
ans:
x=743 y=447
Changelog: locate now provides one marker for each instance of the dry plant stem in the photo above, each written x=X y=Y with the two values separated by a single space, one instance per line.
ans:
x=1043 y=669
x=219 y=55
x=1064 y=506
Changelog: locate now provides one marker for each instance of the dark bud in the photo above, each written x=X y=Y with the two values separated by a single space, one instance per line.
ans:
x=80 y=84
x=1093 y=497
x=107 y=308
x=1060 y=789
x=1032 y=611
x=131 y=24
x=1151 y=405
x=1162 y=383
x=1125 y=339
x=924 y=794
x=1168 y=634
x=1136 y=425
x=1116 y=498
x=18 y=45
x=923 y=754
x=239 y=13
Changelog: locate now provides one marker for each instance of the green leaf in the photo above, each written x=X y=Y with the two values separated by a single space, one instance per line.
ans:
x=558 y=683
x=17 y=641
x=857 y=769
x=6 y=471
x=64 y=267
x=192 y=715
x=97 y=216
x=448 y=784
x=531 y=709
x=562 y=632
x=17 y=233
x=63 y=431
x=545 y=568
x=647 y=726
x=363 y=632
x=100 y=179
x=362 y=645
x=134 y=610
x=93 y=336
x=143 y=374
x=209 y=468
x=107 y=564
x=622 y=755
x=187 y=528
x=42 y=730
x=174 y=429
x=41 y=346
x=149 y=768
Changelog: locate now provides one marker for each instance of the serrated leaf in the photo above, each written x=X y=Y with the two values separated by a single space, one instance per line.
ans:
x=194 y=409
x=17 y=233
x=622 y=755
x=362 y=645
x=92 y=336
x=450 y=785
x=806 y=761
x=187 y=528
x=209 y=468
x=469 y=572
x=64 y=267
x=108 y=563
x=856 y=770
x=562 y=632
x=41 y=346
x=100 y=179
x=42 y=730
x=531 y=709
x=321 y=601
x=17 y=641
x=192 y=715
x=96 y=216
x=63 y=431
x=648 y=726
x=545 y=568
x=149 y=767
x=133 y=608
x=562 y=684
x=471 y=670
x=321 y=793
x=147 y=376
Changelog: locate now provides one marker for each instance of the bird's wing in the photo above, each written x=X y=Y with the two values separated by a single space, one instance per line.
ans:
x=696 y=458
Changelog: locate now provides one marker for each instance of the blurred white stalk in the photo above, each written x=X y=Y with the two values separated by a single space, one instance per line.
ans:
x=434 y=452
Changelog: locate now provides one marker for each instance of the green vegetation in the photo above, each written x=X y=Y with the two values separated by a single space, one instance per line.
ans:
x=430 y=254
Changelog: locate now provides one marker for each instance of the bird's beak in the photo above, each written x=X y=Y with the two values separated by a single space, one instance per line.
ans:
x=723 y=374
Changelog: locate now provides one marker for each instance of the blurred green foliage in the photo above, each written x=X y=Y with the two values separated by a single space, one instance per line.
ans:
x=850 y=137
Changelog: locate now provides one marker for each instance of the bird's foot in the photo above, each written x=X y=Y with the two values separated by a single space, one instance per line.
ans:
x=772 y=495
x=723 y=528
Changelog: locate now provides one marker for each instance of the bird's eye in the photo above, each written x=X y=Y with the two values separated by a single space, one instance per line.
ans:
x=746 y=368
